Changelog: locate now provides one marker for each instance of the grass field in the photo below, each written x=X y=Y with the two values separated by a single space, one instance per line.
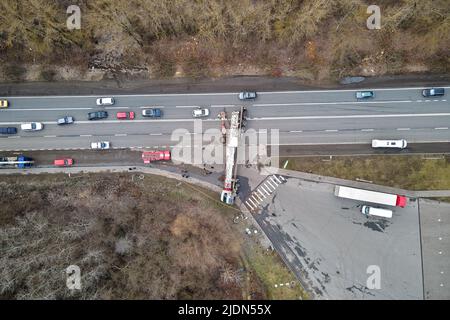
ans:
x=407 y=172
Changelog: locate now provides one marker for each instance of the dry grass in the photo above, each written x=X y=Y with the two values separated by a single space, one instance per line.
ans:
x=407 y=172
x=132 y=239
x=213 y=38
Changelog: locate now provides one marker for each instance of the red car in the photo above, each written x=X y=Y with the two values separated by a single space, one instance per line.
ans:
x=66 y=162
x=125 y=115
x=150 y=156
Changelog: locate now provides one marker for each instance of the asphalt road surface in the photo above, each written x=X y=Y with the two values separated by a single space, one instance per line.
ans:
x=325 y=117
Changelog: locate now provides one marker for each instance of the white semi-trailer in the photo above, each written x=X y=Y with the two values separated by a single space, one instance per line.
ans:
x=370 y=196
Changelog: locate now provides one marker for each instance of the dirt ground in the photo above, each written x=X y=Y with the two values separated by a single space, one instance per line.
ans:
x=133 y=236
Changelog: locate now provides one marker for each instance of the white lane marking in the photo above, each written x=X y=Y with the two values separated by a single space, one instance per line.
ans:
x=112 y=108
x=85 y=135
x=296 y=131
x=14 y=137
x=48 y=109
x=250 y=200
x=331 y=130
x=441 y=128
x=270 y=183
x=403 y=129
x=156 y=134
x=282 y=178
x=120 y=135
x=367 y=130
x=257 y=195
x=274 y=181
x=223 y=106
x=261 y=193
x=269 y=186
x=187 y=106
x=328 y=103
x=366 y=116
x=220 y=94
x=279 y=181
x=248 y=204
x=152 y=107
x=254 y=198
x=348 y=143
x=49 y=136
x=118 y=121
x=264 y=189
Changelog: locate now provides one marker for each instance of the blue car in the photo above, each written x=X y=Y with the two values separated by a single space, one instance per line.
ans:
x=152 y=113
x=364 y=94
x=8 y=130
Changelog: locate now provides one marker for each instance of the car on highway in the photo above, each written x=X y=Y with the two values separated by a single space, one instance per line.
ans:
x=97 y=115
x=65 y=162
x=200 y=112
x=159 y=155
x=65 y=120
x=31 y=126
x=247 y=95
x=105 y=101
x=4 y=104
x=125 y=115
x=364 y=94
x=152 y=113
x=100 y=145
x=433 y=92
x=8 y=130
x=399 y=144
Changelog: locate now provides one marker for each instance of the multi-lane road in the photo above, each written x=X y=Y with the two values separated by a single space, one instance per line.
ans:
x=302 y=118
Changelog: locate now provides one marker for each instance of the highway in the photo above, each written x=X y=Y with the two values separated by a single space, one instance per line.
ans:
x=325 y=117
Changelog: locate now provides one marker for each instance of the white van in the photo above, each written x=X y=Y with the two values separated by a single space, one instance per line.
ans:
x=385 y=213
x=399 y=144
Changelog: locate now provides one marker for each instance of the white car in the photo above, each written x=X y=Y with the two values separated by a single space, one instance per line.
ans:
x=105 y=101
x=200 y=113
x=100 y=145
x=32 y=126
x=399 y=144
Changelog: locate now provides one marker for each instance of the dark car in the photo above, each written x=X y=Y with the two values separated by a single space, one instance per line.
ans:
x=247 y=95
x=364 y=94
x=65 y=120
x=97 y=115
x=152 y=113
x=8 y=130
x=433 y=92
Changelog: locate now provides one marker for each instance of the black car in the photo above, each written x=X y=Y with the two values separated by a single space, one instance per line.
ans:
x=65 y=120
x=8 y=130
x=433 y=92
x=97 y=115
x=247 y=95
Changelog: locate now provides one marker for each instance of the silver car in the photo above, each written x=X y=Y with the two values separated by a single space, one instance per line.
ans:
x=100 y=145
x=200 y=112
x=32 y=126
x=105 y=101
